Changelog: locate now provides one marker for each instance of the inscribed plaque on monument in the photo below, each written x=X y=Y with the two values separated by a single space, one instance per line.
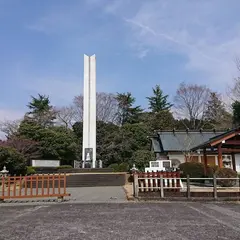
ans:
x=88 y=154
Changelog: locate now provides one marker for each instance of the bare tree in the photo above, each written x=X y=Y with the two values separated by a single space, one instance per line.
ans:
x=27 y=147
x=107 y=107
x=233 y=91
x=66 y=116
x=191 y=102
x=186 y=144
x=9 y=127
x=78 y=108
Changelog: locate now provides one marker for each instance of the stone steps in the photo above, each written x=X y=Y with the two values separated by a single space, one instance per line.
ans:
x=94 y=180
x=86 y=180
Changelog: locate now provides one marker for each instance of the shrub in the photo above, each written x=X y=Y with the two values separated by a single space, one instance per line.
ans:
x=30 y=170
x=211 y=170
x=114 y=166
x=193 y=169
x=141 y=158
x=13 y=160
x=130 y=178
x=226 y=173
x=65 y=167
x=123 y=167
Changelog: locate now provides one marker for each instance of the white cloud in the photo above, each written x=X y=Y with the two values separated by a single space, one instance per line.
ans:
x=113 y=6
x=61 y=90
x=59 y=19
x=10 y=114
x=71 y=17
x=206 y=32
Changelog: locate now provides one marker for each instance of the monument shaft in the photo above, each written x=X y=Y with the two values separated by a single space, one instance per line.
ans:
x=89 y=111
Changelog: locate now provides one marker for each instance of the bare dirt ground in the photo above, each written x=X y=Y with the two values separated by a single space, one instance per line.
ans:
x=166 y=220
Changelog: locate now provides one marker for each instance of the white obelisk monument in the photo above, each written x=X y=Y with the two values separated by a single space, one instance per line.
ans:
x=89 y=112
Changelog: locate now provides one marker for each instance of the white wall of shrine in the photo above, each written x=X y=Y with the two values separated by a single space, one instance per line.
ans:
x=237 y=160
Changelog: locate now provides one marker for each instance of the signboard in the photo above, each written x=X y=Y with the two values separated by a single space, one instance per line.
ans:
x=45 y=163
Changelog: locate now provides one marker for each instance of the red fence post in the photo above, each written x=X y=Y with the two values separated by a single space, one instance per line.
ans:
x=37 y=184
x=42 y=182
x=25 y=185
x=65 y=181
x=14 y=185
x=53 y=183
x=9 y=186
x=20 y=185
x=48 y=191
x=3 y=187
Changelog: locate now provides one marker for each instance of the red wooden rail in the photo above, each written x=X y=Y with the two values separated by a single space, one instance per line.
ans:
x=150 y=181
x=35 y=186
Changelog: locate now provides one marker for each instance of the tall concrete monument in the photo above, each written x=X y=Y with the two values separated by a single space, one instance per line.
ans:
x=89 y=112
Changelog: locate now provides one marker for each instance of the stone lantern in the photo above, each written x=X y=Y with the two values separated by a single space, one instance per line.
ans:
x=4 y=172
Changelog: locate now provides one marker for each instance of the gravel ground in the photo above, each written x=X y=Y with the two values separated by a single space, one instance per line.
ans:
x=169 y=220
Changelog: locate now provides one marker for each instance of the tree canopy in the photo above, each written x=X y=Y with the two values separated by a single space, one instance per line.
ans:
x=14 y=161
x=127 y=113
x=41 y=111
x=123 y=126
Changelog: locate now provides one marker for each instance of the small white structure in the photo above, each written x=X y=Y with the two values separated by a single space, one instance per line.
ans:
x=159 y=165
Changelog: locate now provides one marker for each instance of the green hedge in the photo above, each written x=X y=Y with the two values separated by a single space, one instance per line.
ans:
x=65 y=167
x=122 y=167
x=30 y=170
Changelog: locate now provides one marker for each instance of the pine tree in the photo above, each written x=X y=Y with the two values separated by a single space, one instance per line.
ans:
x=236 y=113
x=41 y=111
x=126 y=112
x=158 y=102
x=216 y=113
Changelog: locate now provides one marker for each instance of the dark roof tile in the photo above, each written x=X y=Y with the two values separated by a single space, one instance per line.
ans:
x=181 y=140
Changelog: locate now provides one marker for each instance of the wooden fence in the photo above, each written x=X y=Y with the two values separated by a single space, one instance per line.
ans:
x=35 y=186
x=171 y=185
x=157 y=181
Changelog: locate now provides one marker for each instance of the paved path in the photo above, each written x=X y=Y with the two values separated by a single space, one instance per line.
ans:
x=140 y=221
x=97 y=194
x=83 y=195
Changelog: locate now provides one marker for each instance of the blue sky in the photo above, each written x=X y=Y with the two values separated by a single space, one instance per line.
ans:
x=138 y=44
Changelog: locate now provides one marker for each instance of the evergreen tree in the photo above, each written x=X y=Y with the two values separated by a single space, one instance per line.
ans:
x=236 y=113
x=216 y=113
x=158 y=102
x=126 y=112
x=41 y=111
